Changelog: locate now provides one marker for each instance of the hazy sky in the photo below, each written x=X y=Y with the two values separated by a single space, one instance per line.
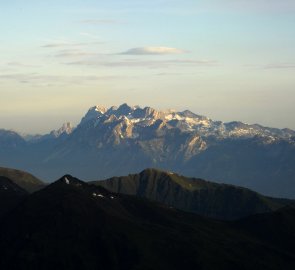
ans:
x=226 y=59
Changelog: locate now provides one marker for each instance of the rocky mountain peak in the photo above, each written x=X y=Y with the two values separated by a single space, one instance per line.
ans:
x=185 y=121
x=110 y=118
x=93 y=113
x=148 y=113
x=65 y=129
x=124 y=109
x=69 y=180
x=100 y=109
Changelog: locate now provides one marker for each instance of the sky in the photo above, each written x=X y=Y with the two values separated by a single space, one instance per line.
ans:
x=226 y=59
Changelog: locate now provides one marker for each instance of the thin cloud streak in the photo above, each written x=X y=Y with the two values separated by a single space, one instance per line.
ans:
x=273 y=6
x=89 y=35
x=22 y=65
x=61 y=44
x=147 y=64
x=153 y=51
x=99 y=21
x=74 y=53
x=35 y=78
x=280 y=66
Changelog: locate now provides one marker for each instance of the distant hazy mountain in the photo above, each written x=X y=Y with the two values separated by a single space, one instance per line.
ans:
x=10 y=140
x=194 y=195
x=117 y=141
x=73 y=225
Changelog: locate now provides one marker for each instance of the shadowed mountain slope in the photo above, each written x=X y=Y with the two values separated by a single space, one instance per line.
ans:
x=194 y=195
x=73 y=225
x=23 y=179
x=10 y=195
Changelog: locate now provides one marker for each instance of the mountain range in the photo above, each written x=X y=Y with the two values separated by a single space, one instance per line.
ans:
x=219 y=201
x=213 y=200
x=119 y=140
x=70 y=224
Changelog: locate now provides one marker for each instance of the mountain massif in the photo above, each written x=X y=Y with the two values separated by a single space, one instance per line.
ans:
x=70 y=224
x=119 y=140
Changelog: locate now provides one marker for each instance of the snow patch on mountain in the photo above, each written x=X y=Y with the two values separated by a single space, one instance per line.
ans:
x=134 y=122
x=135 y=118
x=66 y=129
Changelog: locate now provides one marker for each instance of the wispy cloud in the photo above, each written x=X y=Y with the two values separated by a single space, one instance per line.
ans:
x=55 y=45
x=42 y=79
x=273 y=6
x=89 y=35
x=70 y=44
x=146 y=64
x=72 y=49
x=99 y=21
x=65 y=48
x=19 y=64
x=153 y=51
x=280 y=66
x=74 y=53
x=15 y=66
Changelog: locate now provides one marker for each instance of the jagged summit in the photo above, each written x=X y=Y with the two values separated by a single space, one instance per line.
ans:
x=93 y=112
x=100 y=109
x=65 y=129
x=186 y=121
x=124 y=110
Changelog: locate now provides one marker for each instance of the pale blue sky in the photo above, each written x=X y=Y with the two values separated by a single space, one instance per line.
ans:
x=227 y=59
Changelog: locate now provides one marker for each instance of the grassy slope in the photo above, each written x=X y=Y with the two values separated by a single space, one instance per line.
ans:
x=23 y=179
x=195 y=195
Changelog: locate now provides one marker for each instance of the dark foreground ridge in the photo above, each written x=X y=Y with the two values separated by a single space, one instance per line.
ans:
x=23 y=179
x=73 y=225
x=209 y=199
x=10 y=195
